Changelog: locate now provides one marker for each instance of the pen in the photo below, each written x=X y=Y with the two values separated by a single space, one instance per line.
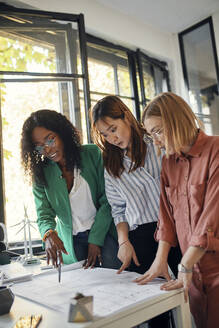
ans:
x=59 y=269
x=100 y=260
x=1 y=277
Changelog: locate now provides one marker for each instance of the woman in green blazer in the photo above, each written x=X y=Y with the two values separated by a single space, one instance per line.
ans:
x=73 y=215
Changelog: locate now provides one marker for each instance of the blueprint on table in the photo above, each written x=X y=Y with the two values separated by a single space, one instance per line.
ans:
x=112 y=292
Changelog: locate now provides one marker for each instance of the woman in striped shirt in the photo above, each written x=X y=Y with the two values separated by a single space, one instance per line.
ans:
x=132 y=179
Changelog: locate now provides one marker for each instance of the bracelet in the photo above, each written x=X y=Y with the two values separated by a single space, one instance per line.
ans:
x=123 y=243
x=183 y=269
x=47 y=233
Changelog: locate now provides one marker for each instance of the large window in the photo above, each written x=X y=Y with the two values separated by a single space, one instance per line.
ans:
x=48 y=62
x=37 y=72
x=200 y=67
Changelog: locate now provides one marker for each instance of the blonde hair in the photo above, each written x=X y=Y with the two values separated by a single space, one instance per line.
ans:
x=178 y=120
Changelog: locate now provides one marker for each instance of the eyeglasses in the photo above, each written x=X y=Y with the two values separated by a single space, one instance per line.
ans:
x=157 y=133
x=48 y=143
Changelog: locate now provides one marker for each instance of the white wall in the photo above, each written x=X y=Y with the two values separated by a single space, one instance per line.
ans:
x=176 y=72
x=108 y=23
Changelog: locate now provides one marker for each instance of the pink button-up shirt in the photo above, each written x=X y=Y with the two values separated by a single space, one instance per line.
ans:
x=189 y=201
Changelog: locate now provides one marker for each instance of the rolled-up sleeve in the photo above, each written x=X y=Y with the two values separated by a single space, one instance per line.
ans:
x=118 y=205
x=166 y=230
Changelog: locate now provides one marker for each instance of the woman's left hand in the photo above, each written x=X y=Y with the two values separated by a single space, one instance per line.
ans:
x=183 y=281
x=93 y=253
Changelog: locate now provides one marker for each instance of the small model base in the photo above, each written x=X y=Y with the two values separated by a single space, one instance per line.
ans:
x=29 y=260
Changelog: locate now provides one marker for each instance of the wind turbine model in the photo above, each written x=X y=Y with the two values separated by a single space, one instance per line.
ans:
x=28 y=257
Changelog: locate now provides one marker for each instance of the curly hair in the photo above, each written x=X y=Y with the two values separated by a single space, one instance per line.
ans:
x=34 y=163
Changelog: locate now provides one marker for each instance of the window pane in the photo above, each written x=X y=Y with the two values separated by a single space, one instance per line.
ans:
x=201 y=71
x=38 y=45
x=108 y=71
x=124 y=81
x=160 y=81
x=149 y=86
x=24 y=56
x=101 y=77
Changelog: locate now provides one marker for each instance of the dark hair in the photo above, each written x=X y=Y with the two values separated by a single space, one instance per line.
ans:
x=113 y=107
x=33 y=162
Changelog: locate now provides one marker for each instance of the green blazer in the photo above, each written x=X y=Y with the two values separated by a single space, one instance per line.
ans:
x=53 y=205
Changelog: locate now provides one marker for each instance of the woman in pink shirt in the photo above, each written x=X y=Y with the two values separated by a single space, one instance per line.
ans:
x=189 y=205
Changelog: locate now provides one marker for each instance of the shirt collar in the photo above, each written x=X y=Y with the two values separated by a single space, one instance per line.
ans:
x=196 y=148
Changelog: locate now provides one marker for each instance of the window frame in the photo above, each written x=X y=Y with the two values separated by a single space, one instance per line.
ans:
x=182 y=50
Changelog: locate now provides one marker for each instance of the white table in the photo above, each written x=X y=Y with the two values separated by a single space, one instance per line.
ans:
x=126 y=317
x=129 y=317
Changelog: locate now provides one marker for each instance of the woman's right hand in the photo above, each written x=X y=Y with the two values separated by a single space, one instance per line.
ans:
x=126 y=253
x=159 y=268
x=54 y=248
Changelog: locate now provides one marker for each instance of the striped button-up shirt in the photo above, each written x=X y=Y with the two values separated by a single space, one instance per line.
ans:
x=134 y=197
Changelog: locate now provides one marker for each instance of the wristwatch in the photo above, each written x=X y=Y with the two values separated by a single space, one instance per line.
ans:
x=182 y=268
